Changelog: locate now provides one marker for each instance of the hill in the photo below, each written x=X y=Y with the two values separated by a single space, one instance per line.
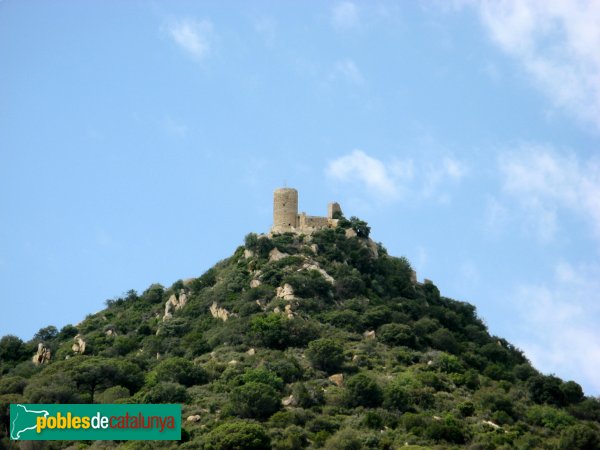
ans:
x=303 y=341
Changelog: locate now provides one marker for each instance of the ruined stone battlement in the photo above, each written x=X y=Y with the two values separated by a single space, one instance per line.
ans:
x=286 y=218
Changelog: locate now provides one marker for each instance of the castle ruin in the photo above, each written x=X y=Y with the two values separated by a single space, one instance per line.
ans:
x=286 y=218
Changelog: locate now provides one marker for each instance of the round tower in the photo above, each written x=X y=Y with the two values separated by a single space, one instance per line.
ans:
x=285 y=209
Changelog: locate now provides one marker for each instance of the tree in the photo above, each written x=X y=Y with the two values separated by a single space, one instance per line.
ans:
x=396 y=397
x=546 y=389
x=167 y=392
x=46 y=334
x=178 y=370
x=361 y=227
x=362 y=390
x=11 y=348
x=325 y=354
x=254 y=400
x=95 y=373
x=394 y=334
x=238 y=435
x=580 y=437
x=572 y=392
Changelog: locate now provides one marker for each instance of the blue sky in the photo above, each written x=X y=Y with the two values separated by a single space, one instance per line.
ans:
x=141 y=141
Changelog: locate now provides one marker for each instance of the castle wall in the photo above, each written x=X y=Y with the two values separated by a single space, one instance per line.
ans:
x=305 y=221
x=286 y=217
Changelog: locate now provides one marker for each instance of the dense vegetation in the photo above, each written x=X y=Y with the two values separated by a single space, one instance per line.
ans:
x=430 y=376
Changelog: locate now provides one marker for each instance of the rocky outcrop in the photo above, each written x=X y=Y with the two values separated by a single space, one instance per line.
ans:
x=350 y=233
x=289 y=401
x=79 y=346
x=42 y=355
x=337 y=379
x=175 y=303
x=287 y=311
x=194 y=418
x=248 y=253
x=255 y=283
x=276 y=255
x=369 y=334
x=219 y=313
x=313 y=266
x=285 y=292
x=251 y=352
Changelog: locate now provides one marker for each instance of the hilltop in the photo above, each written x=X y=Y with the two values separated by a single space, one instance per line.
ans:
x=303 y=340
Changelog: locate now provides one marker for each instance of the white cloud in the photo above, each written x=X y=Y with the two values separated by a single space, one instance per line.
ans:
x=361 y=167
x=397 y=178
x=195 y=37
x=558 y=324
x=546 y=183
x=267 y=28
x=556 y=42
x=344 y=15
x=349 y=71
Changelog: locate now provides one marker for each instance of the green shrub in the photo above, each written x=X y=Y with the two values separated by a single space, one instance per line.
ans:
x=363 y=390
x=237 y=435
x=262 y=375
x=584 y=436
x=178 y=370
x=325 y=354
x=166 y=392
x=254 y=400
x=395 y=334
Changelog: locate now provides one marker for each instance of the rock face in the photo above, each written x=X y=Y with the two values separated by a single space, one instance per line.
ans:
x=248 y=253
x=312 y=266
x=219 y=313
x=42 y=355
x=337 y=379
x=79 y=345
x=286 y=292
x=174 y=303
x=276 y=255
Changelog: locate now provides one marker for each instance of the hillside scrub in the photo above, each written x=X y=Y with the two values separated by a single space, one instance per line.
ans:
x=355 y=355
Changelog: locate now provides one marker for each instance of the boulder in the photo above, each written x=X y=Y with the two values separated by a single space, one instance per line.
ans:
x=276 y=255
x=288 y=311
x=286 y=292
x=337 y=379
x=313 y=266
x=42 y=355
x=251 y=352
x=255 y=283
x=194 y=418
x=289 y=401
x=350 y=233
x=369 y=334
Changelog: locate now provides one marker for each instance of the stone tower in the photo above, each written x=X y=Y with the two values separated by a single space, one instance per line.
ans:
x=285 y=210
